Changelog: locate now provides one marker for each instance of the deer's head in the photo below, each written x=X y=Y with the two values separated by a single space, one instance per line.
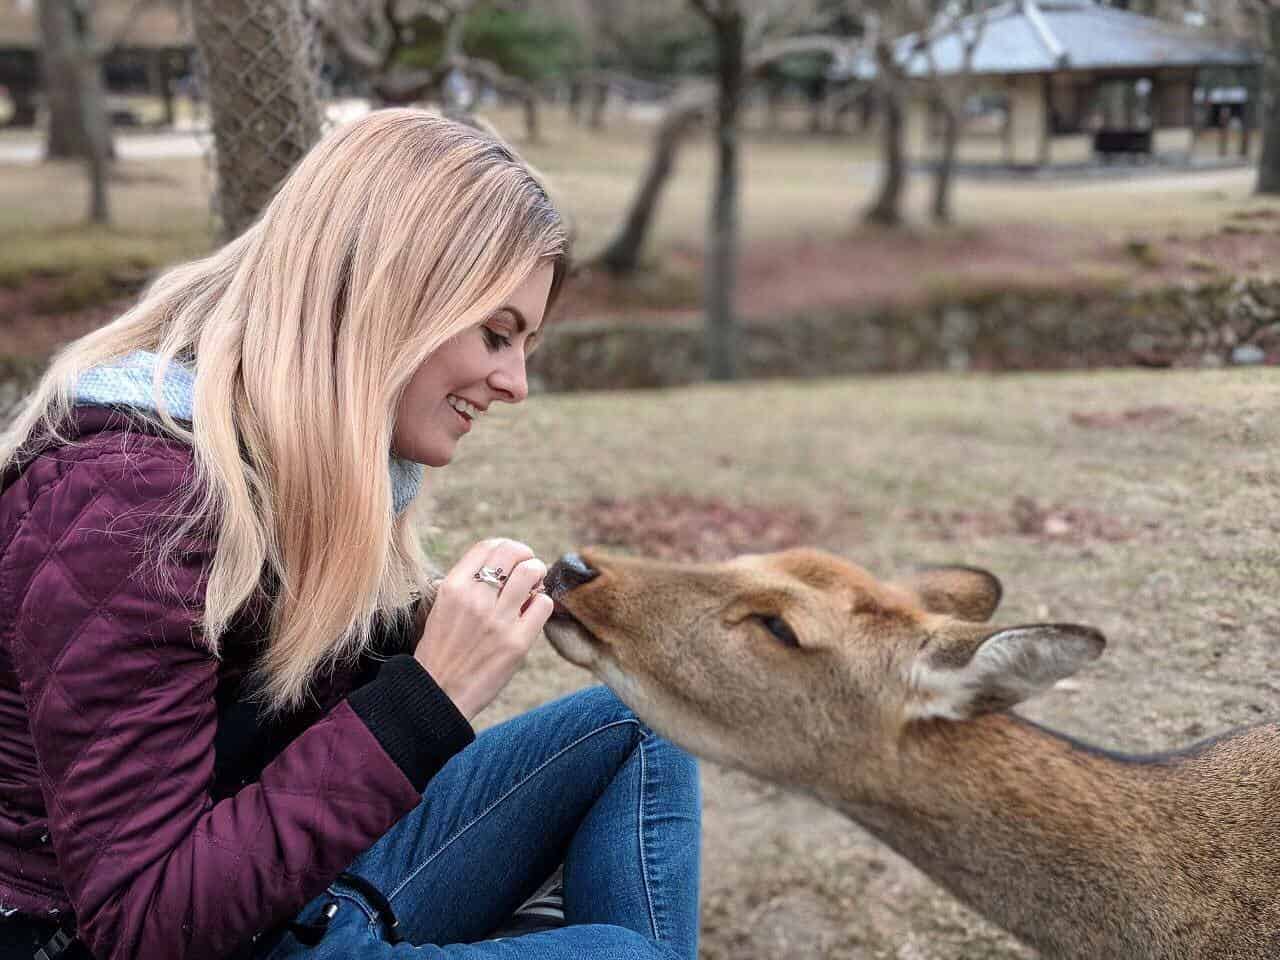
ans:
x=774 y=662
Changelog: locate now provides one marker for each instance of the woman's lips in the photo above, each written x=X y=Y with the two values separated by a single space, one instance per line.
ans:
x=465 y=420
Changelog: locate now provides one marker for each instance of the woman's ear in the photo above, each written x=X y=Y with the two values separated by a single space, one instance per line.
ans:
x=966 y=593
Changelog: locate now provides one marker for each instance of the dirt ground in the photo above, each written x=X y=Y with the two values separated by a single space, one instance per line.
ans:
x=779 y=279
x=1143 y=503
x=873 y=268
x=1146 y=504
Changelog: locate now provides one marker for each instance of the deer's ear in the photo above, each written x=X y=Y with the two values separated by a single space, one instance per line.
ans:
x=966 y=593
x=986 y=673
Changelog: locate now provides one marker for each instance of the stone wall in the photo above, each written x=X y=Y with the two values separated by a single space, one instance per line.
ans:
x=1205 y=325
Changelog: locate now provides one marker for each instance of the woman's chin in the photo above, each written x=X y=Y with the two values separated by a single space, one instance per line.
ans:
x=434 y=455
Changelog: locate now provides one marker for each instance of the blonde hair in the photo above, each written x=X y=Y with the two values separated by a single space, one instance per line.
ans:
x=394 y=234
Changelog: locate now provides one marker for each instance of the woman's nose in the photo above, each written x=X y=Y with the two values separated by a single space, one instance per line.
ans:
x=511 y=381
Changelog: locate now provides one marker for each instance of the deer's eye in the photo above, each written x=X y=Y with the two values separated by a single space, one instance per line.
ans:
x=781 y=630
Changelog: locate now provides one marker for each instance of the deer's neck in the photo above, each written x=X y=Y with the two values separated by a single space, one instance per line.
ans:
x=1085 y=854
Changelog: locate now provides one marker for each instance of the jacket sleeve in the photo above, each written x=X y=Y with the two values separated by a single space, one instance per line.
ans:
x=120 y=697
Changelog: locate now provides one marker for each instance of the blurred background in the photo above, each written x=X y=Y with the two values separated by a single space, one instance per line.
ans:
x=912 y=280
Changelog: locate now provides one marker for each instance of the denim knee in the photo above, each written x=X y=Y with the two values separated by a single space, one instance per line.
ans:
x=605 y=707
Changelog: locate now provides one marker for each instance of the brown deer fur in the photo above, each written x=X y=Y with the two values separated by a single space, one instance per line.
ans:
x=888 y=701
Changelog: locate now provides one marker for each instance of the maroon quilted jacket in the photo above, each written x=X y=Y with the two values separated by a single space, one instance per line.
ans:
x=110 y=805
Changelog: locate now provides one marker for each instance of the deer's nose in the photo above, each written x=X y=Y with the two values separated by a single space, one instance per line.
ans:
x=568 y=572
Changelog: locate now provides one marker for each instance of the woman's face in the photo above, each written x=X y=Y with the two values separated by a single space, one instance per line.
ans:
x=449 y=393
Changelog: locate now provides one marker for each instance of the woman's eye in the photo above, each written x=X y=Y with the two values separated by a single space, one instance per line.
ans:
x=495 y=340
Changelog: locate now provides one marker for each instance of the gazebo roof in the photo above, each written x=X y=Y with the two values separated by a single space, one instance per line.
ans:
x=155 y=24
x=1049 y=36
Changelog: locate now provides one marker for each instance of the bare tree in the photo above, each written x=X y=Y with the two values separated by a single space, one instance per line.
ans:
x=884 y=23
x=950 y=93
x=262 y=96
x=73 y=75
x=728 y=24
x=72 y=67
x=1260 y=20
x=608 y=29
x=372 y=34
x=687 y=108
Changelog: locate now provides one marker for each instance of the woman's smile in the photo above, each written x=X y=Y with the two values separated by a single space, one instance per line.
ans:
x=480 y=366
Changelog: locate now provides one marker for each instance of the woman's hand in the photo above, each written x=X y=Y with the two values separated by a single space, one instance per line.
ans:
x=476 y=634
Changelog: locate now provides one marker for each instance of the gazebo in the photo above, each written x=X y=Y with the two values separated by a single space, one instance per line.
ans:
x=1072 y=70
x=150 y=45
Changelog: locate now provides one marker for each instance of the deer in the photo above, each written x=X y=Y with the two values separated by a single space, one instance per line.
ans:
x=889 y=701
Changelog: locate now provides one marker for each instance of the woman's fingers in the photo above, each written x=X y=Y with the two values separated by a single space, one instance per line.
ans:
x=537 y=610
x=478 y=632
x=505 y=555
x=477 y=556
x=526 y=575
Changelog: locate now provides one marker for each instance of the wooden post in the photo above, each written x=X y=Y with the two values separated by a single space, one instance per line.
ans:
x=1194 y=116
x=1247 y=116
x=1153 y=105
x=1046 y=125
x=165 y=58
x=1011 y=102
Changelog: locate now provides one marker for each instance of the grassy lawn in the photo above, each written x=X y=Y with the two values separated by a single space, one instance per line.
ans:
x=794 y=187
x=160 y=214
x=1143 y=503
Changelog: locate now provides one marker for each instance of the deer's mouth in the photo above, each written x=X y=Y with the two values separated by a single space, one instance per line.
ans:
x=572 y=639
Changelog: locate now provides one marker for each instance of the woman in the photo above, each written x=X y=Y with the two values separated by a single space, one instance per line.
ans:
x=224 y=729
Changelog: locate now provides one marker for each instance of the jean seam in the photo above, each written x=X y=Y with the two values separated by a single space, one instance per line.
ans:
x=640 y=831
x=408 y=878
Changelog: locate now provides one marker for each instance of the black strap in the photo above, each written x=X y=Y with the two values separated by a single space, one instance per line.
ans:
x=310 y=934
x=379 y=903
x=58 y=944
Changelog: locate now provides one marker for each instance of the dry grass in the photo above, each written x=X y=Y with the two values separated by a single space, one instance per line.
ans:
x=793 y=187
x=160 y=210
x=894 y=471
x=1153 y=512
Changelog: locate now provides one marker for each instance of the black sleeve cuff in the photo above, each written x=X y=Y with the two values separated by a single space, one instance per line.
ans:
x=414 y=720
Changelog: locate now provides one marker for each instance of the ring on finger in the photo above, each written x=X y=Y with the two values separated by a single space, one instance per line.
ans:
x=493 y=576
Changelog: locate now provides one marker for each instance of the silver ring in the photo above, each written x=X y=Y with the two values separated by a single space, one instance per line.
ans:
x=493 y=576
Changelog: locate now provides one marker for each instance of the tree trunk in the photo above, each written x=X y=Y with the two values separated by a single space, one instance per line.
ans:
x=622 y=254
x=775 y=90
x=457 y=92
x=722 y=235
x=24 y=106
x=531 y=120
x=262 y=98
x=64 y=138
x=97 y=138
x=163 y=71
x=576 y=92
x=599 y=100
x=72 y=74
x=945 y=173
x=817 y=104
x=95 y=125
x=1269 y=165
x=886 y=210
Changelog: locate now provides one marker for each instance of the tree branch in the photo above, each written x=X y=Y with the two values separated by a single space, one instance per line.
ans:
x=345 y=34
x=704 y=8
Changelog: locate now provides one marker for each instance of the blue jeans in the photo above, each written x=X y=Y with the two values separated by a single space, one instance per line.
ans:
x=579 y=782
